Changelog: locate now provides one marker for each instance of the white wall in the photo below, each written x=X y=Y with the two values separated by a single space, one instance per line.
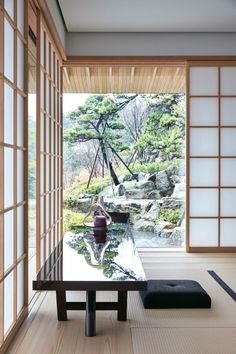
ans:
x=109 y=44
x=53 y=7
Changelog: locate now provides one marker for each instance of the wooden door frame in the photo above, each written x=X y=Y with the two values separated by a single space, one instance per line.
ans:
x=140 y=60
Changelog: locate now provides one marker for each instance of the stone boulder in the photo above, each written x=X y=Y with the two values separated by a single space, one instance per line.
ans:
x=164 y=230
x=123 y=205
x=146 y=185
x=174 y=179
x=172 y=170
x=172 y=203
x=133 y=177
x=130 y=184
x=179 y=190
x=163 y=184
x=178 y=236
x=165 y=234
x=142 y=225
x=142 y=176
x=154 y=195
x=152 y=178
x=153 y=213
x=148 y=206
x=135 y=193
x=120 y=207
x=163 y=225
x=134 y=218
x=119 y=190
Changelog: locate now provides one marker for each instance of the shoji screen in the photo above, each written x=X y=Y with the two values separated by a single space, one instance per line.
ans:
x=13 y=164
x=211 y=157
x=49 y=146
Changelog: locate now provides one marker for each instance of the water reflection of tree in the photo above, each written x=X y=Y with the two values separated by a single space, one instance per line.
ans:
x=116 y=233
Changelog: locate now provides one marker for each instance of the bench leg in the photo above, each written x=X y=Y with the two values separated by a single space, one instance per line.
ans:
x=61 y=306
x=90 y=322
x=122 y=306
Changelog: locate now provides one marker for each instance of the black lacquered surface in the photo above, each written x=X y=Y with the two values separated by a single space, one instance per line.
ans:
x=80 y=263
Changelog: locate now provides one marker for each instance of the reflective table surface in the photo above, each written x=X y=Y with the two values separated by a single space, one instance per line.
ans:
x=85 y=262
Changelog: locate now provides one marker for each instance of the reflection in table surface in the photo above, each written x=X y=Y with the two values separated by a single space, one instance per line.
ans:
x=79 y=258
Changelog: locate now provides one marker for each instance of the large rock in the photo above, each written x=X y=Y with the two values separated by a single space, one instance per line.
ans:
x=154 y=195
x=133 y=177
x=119 y=190
x=146 y=185
x=166 y=234
x=135 y=193
x=163 y=225
x=143 y=176
x=178 y=236
x=127 y=178
x=179 y=190
x=172 y=170
x=153 y=213
x=134 y=218
x=119 y=205
x=152 y=178
x=163 y=184
x=172 y=203
x=174 y=179
x=142 y=225
x=130 y=184
x=148 y=206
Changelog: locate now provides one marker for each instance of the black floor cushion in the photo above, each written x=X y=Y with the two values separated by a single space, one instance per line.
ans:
x=164 y=294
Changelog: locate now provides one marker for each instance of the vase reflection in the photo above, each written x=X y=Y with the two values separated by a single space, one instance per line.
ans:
x=96 y=247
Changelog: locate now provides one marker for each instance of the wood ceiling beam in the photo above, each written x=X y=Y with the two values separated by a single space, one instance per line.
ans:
x=141 y=60
x=123 y=79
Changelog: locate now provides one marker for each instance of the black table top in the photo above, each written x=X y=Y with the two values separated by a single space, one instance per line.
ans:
x=81 y=263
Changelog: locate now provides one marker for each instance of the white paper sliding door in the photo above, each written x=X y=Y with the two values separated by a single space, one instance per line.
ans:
x=211 y=156
x=13 y=166
x=49 y=146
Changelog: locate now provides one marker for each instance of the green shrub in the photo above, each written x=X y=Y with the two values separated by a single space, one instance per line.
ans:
x=71 y=194
x=72 y=219
x=96 y=186
x=169 y=215
x=151 y=167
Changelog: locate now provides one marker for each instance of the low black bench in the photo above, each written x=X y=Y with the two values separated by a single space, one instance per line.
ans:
x=166 y=294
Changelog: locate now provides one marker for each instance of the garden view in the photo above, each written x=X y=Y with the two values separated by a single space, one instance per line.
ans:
x=129 y=149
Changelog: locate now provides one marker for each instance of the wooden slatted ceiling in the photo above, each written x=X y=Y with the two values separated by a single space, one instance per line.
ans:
x=161 y=79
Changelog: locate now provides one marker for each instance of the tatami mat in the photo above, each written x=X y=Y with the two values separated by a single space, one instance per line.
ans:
x=228 y=276
x=222 y=313
x=181 y=331
x=43 y=334
x=184 y=340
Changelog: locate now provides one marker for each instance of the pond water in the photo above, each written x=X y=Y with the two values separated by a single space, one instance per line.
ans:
x=150 y=239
